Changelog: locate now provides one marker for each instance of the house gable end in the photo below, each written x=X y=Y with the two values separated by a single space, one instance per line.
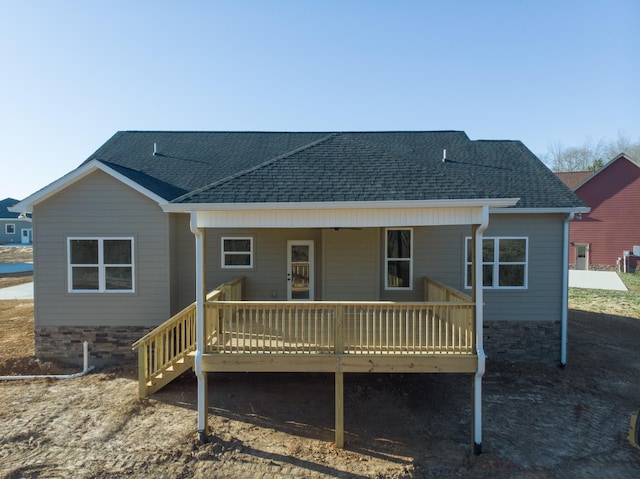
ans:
x=618 y=185
x=76 y=175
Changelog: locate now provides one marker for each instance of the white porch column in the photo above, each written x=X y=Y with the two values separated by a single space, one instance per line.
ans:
x=203 y=397
x=479 y=316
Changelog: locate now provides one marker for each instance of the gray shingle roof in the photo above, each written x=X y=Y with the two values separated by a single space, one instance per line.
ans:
x=4 y=211
x=249 y=167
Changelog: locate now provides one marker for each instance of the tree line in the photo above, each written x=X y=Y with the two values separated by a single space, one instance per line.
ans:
x=590 y=156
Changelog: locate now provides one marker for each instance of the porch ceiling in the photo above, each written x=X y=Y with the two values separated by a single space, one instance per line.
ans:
x=342 y=215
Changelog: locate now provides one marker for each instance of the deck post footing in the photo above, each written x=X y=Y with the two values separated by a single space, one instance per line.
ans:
x=203 y=438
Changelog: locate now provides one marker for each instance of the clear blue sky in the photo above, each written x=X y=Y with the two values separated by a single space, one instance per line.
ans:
x=72 y=73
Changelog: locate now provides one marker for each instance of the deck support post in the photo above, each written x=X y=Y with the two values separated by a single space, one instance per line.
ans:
x=203 y=395
x=203 y=403
x=143 y=374
x=339 y=349
x=478 y=299
x=339 y=409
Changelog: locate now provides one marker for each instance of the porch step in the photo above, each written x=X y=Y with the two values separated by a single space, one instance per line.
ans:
x=168 y=374
x=169 y=350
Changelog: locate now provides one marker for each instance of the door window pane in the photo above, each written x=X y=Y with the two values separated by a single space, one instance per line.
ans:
x=299 y=253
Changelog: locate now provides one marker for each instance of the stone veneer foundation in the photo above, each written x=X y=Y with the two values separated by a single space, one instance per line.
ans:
x=523 y=341
x=107 y=345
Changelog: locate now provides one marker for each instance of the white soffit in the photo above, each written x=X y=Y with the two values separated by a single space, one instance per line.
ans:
x=340 y=218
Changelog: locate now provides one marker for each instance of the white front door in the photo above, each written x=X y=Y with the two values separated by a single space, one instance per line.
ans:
x=26 y=236
x=300 y=270
x=582 y=257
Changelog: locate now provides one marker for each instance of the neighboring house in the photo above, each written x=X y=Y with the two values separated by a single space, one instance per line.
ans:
x=574 y=178
x=599 y=239
x=15 y=228
x=349 y=224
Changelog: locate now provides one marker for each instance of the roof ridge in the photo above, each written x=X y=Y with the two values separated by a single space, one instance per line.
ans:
x=256 y=167
x=276 y=132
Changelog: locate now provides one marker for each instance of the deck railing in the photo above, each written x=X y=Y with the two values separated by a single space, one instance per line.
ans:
x=276 y=327
x=443 y=325
x=437 y=291
x=164 y=352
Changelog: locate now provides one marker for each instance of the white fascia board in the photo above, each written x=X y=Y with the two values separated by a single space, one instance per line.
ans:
x=26 y=205
x=336 y=205
x=529 y=211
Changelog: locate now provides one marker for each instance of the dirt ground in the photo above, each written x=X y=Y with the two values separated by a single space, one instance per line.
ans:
x=539 y=421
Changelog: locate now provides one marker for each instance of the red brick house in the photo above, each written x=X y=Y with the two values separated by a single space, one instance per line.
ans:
x=599 y=239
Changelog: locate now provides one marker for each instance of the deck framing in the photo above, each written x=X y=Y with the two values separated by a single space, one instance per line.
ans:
x=346 y=363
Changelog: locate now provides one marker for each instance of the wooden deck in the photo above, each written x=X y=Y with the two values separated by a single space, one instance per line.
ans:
x=437 y=335
x=339 y=336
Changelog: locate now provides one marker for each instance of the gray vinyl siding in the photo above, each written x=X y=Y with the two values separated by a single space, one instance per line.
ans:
x=183 y=258
x=439 y=254
x=100 y=206
x=267 y=280
x=542 y=300
x=351 y=265
x=436 y=254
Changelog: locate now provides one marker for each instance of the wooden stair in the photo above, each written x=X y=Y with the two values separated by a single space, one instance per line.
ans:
x=169 y=350
x=166 y=352
x=164 y=376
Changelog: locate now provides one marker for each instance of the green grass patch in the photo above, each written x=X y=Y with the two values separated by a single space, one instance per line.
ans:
x=610 y=302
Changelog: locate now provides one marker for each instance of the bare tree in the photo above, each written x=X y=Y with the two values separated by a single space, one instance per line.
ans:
x=624 y=144
x=590 y=156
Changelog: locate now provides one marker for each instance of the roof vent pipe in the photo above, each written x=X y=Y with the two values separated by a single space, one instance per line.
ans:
x=444 y=155
x=155 y=149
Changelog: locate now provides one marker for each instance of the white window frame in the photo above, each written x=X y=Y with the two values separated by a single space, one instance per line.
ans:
x=496 y=262
x=409 y=287
x=12 y=226
x=223 y=253
x=101 y=265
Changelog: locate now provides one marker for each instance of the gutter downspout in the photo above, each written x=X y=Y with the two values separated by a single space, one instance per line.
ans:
x=479 y=301
x=203 y=400
x=565 y=290
x=85 y=370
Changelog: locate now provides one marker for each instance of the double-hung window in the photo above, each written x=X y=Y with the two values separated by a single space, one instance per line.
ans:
x=100 y=265
x=10 y=229
x=237 y=252
x=504 y=263
x=399 y=259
